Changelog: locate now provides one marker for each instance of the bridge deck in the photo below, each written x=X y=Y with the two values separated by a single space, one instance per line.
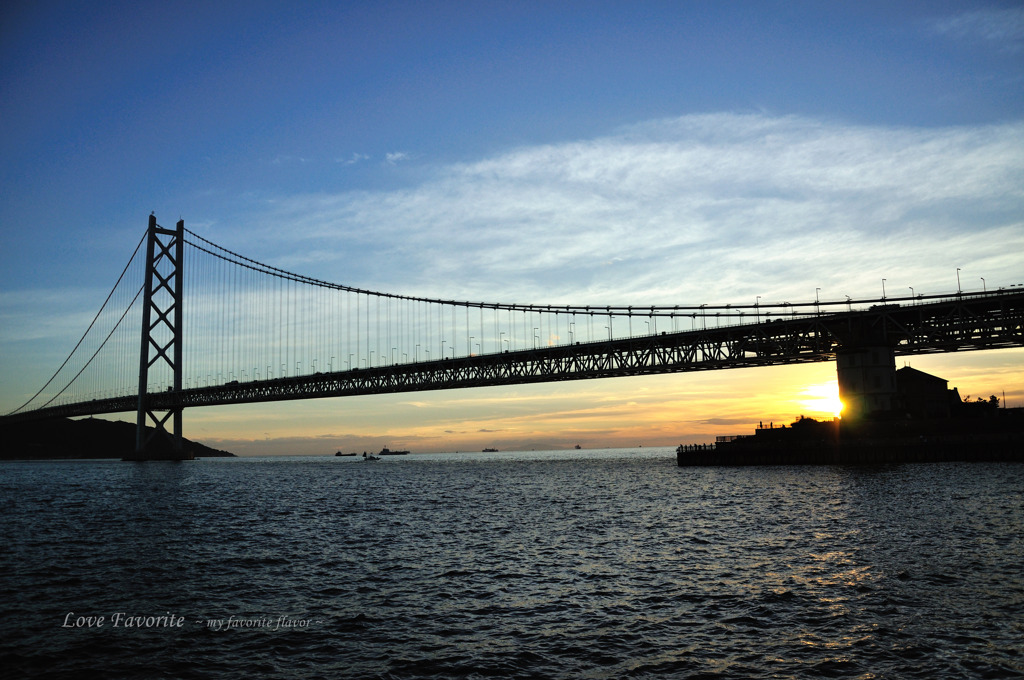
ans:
x=961 y=323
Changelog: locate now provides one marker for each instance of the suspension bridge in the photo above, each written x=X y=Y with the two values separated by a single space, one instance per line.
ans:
x=220 y=328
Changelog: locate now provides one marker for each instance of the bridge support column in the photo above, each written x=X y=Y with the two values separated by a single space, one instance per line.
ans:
x=161 y=345
x=867 y=381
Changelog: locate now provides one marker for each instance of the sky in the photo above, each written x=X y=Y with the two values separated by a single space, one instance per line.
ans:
x=531 y=152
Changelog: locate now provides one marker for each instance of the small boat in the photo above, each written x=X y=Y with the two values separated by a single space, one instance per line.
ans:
x=367 y=456
x=577 y=447
x=388 y=452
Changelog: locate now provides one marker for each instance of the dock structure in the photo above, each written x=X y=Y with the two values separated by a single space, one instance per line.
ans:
x=811 y=442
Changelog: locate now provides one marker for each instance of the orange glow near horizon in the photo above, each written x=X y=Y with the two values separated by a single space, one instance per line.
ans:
x=658 y=410
x=821 y=399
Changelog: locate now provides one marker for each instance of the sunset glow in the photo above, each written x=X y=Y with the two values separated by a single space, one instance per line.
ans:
x=822 y=399
x=548 y=154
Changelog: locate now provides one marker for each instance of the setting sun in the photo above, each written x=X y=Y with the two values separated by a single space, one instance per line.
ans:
x=822 y=399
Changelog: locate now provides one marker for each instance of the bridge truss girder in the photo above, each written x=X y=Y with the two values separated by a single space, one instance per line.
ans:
x=962 y=323
x=959 y=324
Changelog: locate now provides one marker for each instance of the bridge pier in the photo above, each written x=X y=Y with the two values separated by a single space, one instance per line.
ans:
x=161 y=342
x=867 y=380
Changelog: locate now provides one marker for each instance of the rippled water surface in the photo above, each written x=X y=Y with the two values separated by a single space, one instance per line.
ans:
x=607 y=564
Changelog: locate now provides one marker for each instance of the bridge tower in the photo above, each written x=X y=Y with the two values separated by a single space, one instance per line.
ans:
x=161 y=342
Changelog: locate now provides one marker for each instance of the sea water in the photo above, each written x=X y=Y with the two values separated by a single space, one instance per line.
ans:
x=583 y=564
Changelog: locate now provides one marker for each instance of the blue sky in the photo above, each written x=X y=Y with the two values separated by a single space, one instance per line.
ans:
x=597 y=152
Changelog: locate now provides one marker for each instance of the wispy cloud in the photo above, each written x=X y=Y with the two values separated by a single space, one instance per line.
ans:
x=1002 y=28
x=353 y=159
x=395 y=157
x=695 y=209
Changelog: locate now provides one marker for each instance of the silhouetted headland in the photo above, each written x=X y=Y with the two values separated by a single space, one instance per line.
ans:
x=79 y=439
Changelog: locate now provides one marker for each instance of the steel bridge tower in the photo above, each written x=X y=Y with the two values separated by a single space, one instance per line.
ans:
x=161 y=342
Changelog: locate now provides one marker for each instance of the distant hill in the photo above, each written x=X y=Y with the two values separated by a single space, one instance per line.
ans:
x=78 y=439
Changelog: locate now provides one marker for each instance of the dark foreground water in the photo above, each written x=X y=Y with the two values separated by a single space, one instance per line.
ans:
x=610 y=564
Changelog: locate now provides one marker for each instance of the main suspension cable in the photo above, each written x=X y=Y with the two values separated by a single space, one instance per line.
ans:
x=86 y=333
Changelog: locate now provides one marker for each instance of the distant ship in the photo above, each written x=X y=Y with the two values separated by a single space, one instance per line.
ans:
x=339 y=453
x=388 y=452
x=490 y=450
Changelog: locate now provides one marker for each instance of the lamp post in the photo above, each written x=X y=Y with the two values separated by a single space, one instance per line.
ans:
x=911 y=294
x=958 y=281
x=757 y=308
x=983 y=288
x=817 y=310
x=883 y=290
